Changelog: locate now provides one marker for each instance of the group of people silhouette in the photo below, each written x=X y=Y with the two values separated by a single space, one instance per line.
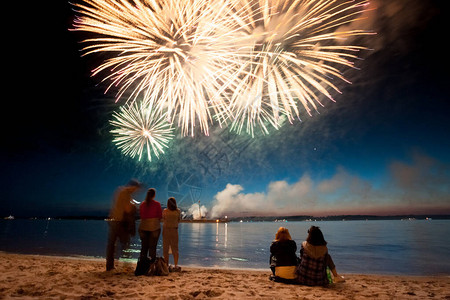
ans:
x=314 y=266
x=122 y=224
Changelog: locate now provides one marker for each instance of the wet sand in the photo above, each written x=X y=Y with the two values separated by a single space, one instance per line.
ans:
x=48 y=277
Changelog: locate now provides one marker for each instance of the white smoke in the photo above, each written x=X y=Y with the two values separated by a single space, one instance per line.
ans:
x=416 y=187
x=281 y=198
x=197 y=212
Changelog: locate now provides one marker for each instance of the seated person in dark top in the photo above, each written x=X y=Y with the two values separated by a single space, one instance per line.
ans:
x=283 y=260
x=314 y=260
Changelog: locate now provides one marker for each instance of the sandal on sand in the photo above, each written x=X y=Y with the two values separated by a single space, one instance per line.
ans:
x=338 y=279
x=174 y=269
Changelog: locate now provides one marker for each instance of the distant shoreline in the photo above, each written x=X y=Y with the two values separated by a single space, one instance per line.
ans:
x=259 y=218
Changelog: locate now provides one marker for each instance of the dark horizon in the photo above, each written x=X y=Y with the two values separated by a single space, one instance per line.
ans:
x=343 y=217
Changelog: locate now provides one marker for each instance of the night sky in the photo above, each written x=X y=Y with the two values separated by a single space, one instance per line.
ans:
x=382 y=148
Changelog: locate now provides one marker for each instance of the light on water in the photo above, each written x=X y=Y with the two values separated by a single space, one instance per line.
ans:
x=384 y=247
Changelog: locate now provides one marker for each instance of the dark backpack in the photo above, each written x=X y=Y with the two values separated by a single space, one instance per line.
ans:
x=142 y=267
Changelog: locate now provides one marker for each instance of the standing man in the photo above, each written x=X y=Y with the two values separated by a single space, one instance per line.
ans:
x=122 y=220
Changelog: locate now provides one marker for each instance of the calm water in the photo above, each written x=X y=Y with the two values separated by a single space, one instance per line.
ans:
x=385 y=247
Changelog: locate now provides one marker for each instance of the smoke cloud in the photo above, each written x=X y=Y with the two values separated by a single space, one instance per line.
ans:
x=420 y=186
x=197 y=212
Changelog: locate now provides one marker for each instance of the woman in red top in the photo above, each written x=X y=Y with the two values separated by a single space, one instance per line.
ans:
x=150 y=228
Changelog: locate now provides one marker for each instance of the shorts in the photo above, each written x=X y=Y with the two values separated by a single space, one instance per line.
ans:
x=170 y=239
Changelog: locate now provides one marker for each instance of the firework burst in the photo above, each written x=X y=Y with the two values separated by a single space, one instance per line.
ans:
x=245 y=62
x=176 y=54
x=297 y=48
x=139 y=130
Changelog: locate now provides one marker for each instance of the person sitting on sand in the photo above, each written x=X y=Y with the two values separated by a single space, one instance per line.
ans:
x=150 y=228
x=171 y=217
x=283 y=260
x=314 y=260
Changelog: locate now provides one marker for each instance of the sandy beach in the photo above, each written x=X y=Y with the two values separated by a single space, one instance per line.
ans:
x=48 y=277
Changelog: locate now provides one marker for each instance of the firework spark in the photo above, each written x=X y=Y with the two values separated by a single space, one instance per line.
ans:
x=298 y=48
x=176 y=54
x=244 y=62
x=140 y=129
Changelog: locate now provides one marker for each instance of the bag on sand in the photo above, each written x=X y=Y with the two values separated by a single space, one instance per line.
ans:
x=142 y=267
x=158 y=267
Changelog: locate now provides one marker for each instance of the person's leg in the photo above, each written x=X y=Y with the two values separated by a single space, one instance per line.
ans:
x=111 y=245
x=144 y=235
x=165 y=245
x=175 y=259
x=153 y=242
x=174 y=245
x=124 y=238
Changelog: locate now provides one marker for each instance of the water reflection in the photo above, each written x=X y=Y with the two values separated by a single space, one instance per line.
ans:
x=217 y=232
x=226 y=235
x=46 y=228
x=220 y=236
x=388 y=247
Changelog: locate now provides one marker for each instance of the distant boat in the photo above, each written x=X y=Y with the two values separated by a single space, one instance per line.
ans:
x=9 y=218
